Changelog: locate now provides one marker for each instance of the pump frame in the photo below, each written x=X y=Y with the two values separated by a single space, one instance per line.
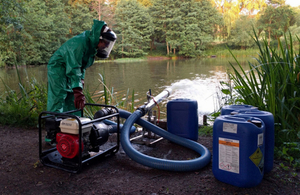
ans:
x=52 y=158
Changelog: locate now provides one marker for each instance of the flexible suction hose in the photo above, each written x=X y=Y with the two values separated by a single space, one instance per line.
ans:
x=169 y=165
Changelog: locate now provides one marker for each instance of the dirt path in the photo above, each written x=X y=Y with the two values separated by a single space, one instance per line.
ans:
x=21 y=173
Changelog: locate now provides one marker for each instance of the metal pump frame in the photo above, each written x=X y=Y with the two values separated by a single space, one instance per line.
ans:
x=147 y=137
x=52 y=158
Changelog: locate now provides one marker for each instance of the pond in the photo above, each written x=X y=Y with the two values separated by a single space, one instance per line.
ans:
x=197 y=79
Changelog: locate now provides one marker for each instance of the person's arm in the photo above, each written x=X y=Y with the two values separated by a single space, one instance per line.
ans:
x=73 y=60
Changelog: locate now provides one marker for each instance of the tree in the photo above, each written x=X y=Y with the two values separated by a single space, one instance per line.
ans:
x=45 y=30
x=145 y=3
x=232 y=9
x=185 y=27
x=11 y=24
x=81 y=18
x=134 y=28
x=249 y=7
x=240 y=36
x=275 y=21
x=105 y=10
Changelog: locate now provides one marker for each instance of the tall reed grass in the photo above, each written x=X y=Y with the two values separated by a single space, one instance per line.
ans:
x=22 y=107
x=273 y=84
x=108 y=97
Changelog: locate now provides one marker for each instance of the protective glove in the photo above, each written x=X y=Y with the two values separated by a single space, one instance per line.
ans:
x=79 y=98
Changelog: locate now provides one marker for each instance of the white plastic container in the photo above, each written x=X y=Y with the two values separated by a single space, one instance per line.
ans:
x=71 y=126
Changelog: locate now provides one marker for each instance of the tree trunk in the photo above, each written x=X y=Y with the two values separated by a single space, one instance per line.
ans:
x=99 y=10
x=122 y=46
x=168 y=49
x=269 y=33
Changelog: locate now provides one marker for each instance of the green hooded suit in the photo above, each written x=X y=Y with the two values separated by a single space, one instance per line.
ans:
x=66 y=68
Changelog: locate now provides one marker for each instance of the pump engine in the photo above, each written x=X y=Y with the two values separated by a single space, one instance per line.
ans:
x=93 y=136
x=70 y=149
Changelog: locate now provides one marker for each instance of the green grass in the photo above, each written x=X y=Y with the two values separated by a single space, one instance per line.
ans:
x=205 y=130
x=23 y=108
x=224 y=52
x=130 y=59
x=125 y=102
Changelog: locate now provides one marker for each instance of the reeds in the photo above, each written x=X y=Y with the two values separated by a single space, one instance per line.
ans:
x=22 y=108
x=108 y=97
x=272 y=84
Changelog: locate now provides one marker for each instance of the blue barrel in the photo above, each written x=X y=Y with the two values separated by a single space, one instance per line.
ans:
x=268 y=119
x=182 y=118
x=238 y=150
x=226 y=110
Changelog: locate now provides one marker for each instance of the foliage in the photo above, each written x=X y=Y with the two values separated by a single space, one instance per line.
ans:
x=186 y=27
x=221 y=50
x=240 y=36
x=205 y=130
x=44 y=31
x=11 y=13
x=273 y=85
x=134 y=29
x=31 y=31
x=81 y=19
x=10 y=27
x=107 y=97
x=275 y=21
x=232 y=10
x=23 y=108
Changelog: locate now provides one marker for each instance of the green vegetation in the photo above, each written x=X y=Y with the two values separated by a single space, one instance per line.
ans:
x=272 y=84
x=130 y=59
x=23 y=108
x=31 y=31
x=134 y=29
x=205 y=130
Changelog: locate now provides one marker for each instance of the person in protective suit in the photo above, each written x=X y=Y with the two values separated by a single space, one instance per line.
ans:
x=66 y=68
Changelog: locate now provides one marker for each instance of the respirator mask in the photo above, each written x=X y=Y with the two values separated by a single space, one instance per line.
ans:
x=106 y=41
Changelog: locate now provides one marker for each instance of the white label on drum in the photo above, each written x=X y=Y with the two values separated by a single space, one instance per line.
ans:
x=230 y=127
x=260 y=139
x=229 y=155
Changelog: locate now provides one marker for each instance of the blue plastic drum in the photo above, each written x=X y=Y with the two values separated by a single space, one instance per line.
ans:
x=238 y=150
x=226 y=110
x=268 y=119
x=182 y=118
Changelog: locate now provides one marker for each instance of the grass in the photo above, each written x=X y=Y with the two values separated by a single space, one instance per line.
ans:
x=130 y=59
x=107 y=97
x=205 y=130
x=273 y=84
x=222 y=51
x=22 y=108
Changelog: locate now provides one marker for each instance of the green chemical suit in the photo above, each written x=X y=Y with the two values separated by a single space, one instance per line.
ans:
x=66 y=68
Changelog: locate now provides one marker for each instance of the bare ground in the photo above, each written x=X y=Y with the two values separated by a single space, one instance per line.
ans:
x=22 y=173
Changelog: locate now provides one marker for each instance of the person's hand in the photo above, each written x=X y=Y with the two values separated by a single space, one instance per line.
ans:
x=79 y=98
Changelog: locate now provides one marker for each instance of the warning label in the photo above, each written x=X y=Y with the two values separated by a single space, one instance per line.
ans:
x=258 y=159
x=229 y=154
x=256 y=156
